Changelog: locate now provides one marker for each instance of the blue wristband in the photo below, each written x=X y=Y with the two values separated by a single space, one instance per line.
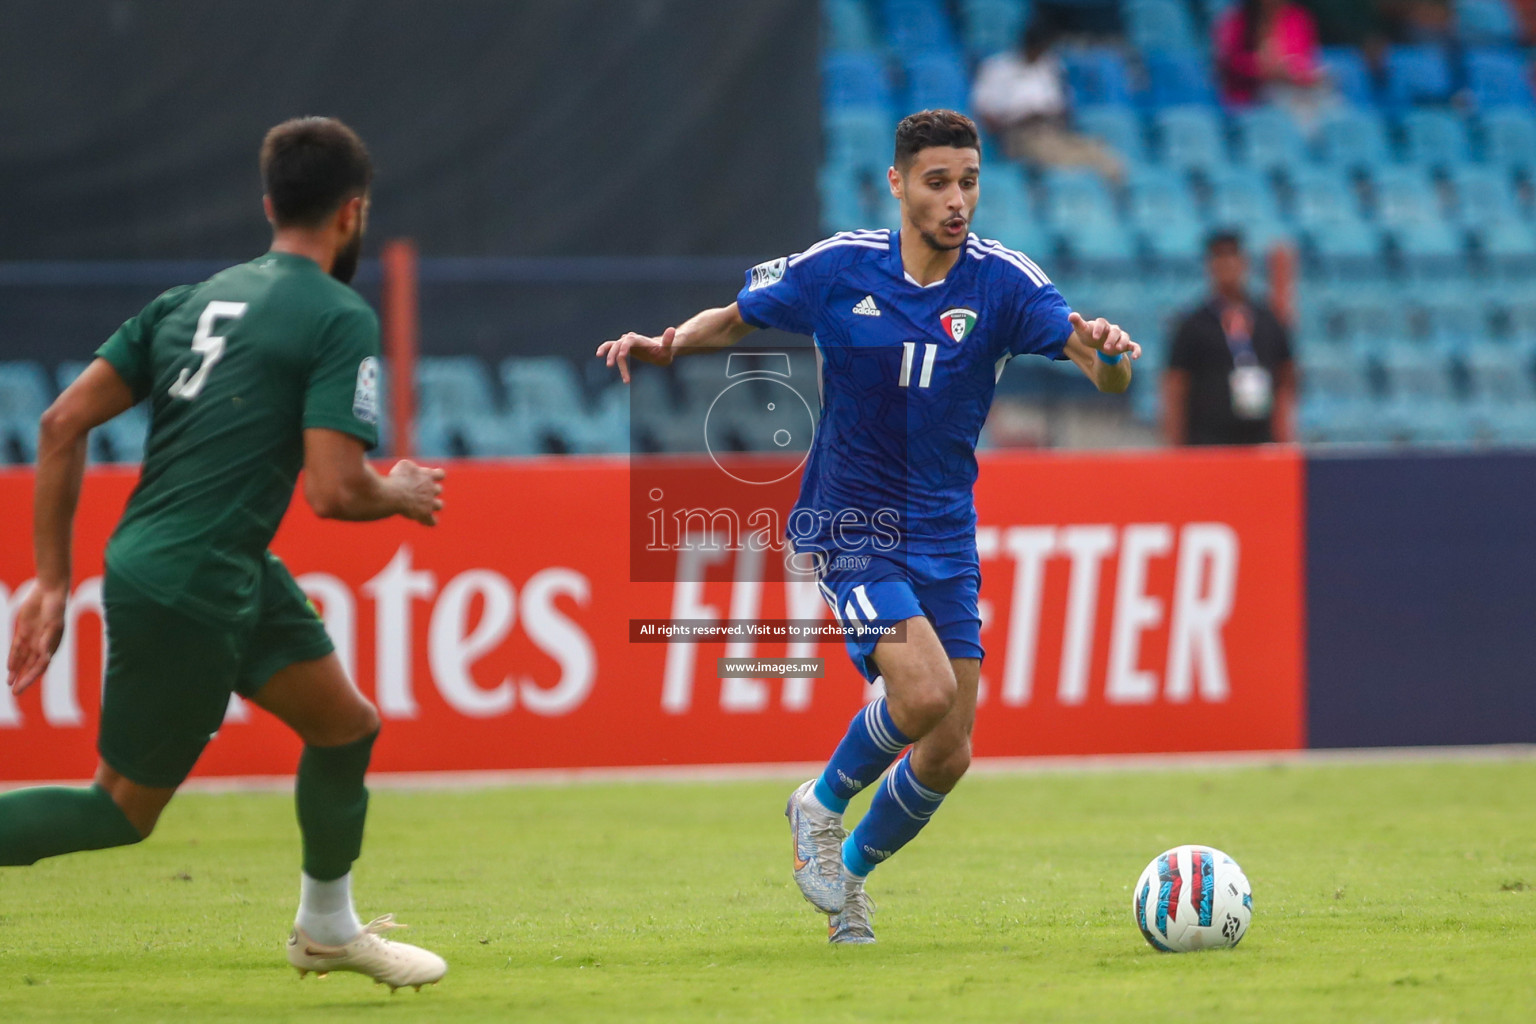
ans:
x=1105 y=359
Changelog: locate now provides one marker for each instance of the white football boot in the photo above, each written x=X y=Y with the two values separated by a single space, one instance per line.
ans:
x=395 y=964
x=852 y=925
x=818 y=844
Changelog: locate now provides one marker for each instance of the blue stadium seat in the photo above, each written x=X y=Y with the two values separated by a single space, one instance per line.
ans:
x=701 y=378
x=1260 y=236
x=449 y=385
x=1321 y=196
x=1509 y=138
x=887 y=210
x=603 y=430
x=1348 y=72
x=1190 y=138
x=937 y=79
x=1484 y=194
x=540 y=387
x=1099 y=248
x=1418 y=73
x=1097 y=76
x=1332 y=370
x=1495 y=372
x=1119 y=127
x=1074 y=199
x=1019 y=232
x=1413 y=370
x=437 y=438
x=1425 y=419
x=1004 y=188
x=1404 y=196
x=917 y=26
x=1518 y=307
x=1268 y=139
x=1177 y=248
x=1507 y=423
x=1435 y=138
x=1432 y=251
x=497 y=436
x=1159 y=25
x=1509 y=248
x=24 y=389
x=858 y=139
x=1354 y=139
x=1178 y=78
x=842 y=200
x=848 y=26
x=25 y=392
x=1347 y=251
x=1006 y=211
x=1159 y=197
x=1444 y=315
x=1485 y=22
x=992 y=26
x=1242 y=196
x=1499 y=78
x=1361 y=316
x=855 y=80
x=121 y=439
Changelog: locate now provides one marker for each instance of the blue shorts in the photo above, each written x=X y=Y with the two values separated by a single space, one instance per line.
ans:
x=874 y=590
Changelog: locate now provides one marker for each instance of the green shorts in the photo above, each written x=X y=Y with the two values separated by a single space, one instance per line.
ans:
x=169 y=675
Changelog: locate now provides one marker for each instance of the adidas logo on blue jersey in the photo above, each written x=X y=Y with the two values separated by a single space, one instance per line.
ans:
x=866 y=307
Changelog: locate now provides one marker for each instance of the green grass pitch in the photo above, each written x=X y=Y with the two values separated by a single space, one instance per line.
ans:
x=1382 y=892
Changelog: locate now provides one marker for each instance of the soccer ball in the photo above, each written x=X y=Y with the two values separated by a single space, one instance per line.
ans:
x=1192 y=897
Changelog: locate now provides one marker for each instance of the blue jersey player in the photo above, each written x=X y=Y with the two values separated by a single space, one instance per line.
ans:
x=912 y=329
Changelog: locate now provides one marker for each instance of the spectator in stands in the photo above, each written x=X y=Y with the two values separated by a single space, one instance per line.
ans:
x=1021 y=97
x=1266 y=52
x=1230 y=379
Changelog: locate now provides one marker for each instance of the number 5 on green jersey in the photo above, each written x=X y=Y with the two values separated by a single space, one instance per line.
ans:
x=189 y=384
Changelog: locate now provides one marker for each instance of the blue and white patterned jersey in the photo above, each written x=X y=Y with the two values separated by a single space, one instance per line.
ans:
x=907 y=375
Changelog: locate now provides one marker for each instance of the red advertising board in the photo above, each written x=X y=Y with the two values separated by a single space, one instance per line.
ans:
x=1132 y=603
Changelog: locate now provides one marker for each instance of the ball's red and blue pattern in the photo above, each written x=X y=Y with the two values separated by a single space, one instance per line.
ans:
x=1192 y=897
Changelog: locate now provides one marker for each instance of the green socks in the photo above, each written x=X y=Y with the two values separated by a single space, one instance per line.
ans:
x=332 y=803
x=45 y=821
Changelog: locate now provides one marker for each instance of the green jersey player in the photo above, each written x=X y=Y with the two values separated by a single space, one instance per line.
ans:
x=262 y=370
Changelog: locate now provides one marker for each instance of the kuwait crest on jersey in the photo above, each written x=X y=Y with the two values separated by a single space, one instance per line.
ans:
x=958 y=322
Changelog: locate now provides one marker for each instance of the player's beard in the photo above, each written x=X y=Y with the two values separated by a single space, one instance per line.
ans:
x=932 y=241
x=344 y=267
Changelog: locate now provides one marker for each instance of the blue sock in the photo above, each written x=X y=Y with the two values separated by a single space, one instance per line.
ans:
x=868 y=748
x=896 y=815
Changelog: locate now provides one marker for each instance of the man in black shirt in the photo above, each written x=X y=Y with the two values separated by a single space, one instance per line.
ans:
x=1230 y=379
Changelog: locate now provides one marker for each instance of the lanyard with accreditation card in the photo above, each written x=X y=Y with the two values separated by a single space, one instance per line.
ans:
x=1253 y=389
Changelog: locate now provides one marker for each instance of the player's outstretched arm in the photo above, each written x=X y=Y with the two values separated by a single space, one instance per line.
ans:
x=1089 y=339
x=710 y=329
x=339 y=483
x=96 y=396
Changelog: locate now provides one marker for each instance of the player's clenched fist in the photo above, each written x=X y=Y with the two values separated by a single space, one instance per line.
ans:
x=1104 y=336
x=657 y=351
x=421 y=491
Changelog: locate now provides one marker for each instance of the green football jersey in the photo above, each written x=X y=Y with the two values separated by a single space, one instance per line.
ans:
x=235 y=368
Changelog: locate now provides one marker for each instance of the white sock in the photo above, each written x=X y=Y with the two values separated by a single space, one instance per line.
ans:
x=325 y=911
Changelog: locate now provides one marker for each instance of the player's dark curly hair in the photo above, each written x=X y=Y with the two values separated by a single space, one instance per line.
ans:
x=310 y=166
x=933 y=128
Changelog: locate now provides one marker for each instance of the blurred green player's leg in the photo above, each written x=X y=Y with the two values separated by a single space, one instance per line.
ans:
x=45 y=821
x=315 y=698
